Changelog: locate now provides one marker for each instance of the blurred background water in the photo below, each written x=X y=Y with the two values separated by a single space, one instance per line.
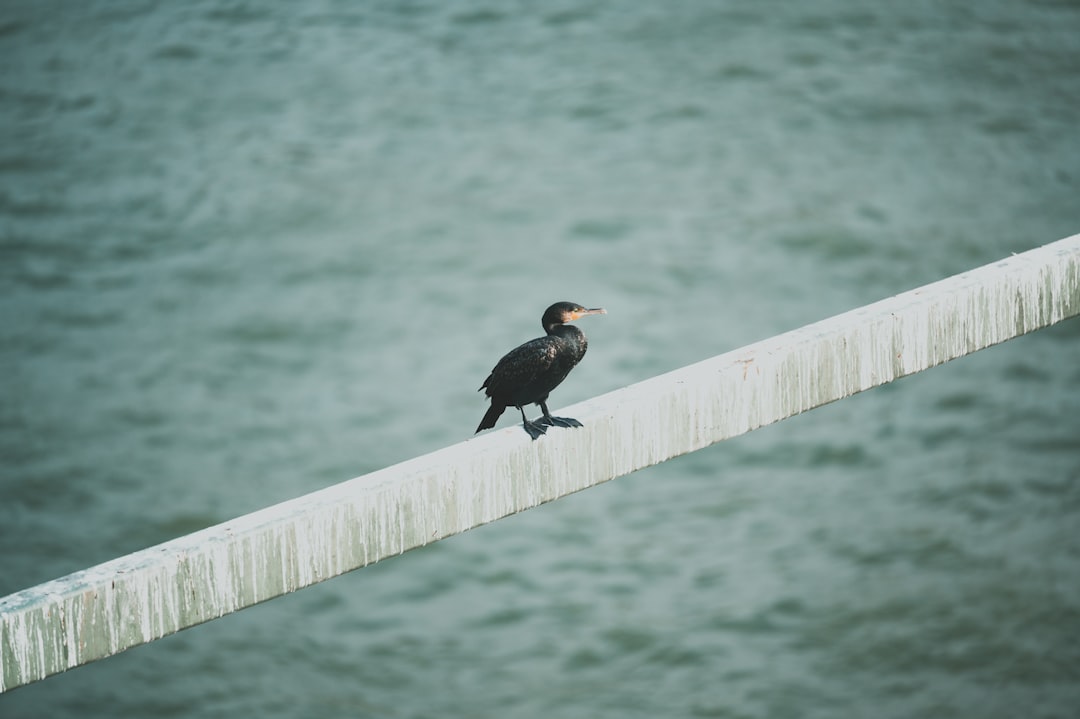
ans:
x=248 y=250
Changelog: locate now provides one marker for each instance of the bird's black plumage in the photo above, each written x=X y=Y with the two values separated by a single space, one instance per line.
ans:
x=528 y=373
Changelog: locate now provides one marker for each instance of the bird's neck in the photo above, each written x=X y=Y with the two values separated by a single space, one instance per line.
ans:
x=569 y=333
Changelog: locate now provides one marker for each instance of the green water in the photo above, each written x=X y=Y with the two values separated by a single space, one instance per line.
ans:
x=248 y=250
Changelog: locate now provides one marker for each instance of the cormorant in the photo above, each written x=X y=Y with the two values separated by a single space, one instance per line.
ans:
x=527 y=374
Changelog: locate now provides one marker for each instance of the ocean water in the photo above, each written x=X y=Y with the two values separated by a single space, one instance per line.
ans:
x=249 y=250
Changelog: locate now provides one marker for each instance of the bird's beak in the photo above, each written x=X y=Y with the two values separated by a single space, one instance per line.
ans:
x=582 y=313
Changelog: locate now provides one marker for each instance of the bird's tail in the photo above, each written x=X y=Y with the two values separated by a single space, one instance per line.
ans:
x=494 y=412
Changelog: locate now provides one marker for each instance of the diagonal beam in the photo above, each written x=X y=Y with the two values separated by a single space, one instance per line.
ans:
x=143 y=596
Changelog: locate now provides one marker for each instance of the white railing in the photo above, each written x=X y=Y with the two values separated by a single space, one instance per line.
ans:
x=138 y=598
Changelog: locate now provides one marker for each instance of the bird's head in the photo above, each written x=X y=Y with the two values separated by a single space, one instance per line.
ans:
x=561 y=313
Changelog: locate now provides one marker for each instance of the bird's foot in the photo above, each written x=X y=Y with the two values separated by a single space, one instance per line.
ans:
x=559 y=421
x=535 y=429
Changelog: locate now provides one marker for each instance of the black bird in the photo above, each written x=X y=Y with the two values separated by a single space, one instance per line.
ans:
x=527 y=374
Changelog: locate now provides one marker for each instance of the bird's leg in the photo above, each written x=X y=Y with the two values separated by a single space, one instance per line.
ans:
x=535 y=429
x=556 y=421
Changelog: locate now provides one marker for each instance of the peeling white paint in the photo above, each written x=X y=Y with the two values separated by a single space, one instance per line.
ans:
x=158 y=591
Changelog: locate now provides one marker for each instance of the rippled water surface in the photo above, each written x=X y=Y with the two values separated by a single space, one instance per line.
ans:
x=248 y=250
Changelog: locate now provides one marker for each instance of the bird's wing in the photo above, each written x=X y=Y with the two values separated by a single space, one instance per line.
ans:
x=521 y=365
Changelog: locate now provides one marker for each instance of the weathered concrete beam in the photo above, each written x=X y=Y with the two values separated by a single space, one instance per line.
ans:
x=152 y=593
